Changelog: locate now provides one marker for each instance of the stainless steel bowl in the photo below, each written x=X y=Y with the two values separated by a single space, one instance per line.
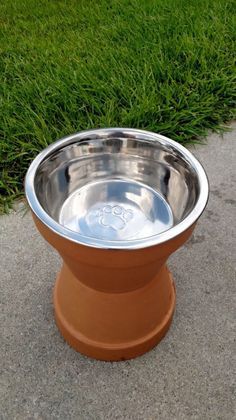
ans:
x=117 y=188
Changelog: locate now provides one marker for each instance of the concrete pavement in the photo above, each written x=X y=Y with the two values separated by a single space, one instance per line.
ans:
x=189 y=375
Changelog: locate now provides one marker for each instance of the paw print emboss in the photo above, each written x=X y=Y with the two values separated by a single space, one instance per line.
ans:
x=115 y=217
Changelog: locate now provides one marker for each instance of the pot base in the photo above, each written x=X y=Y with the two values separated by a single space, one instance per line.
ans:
x=113 y=326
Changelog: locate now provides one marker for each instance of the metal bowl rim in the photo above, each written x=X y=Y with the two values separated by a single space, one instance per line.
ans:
x=76 y=237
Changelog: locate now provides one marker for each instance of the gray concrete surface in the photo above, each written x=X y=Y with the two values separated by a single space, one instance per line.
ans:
x=189 y=375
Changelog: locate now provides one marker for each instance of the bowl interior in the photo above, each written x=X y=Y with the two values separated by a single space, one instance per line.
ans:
x=117 y=188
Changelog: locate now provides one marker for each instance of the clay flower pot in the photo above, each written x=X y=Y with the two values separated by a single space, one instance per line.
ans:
x=115 y=203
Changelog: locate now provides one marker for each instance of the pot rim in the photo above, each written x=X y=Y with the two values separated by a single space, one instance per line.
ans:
x=97 y=134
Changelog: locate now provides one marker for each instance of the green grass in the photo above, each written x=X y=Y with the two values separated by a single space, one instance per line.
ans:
x=163 y=65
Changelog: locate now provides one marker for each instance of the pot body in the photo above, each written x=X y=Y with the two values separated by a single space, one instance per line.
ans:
x=113 y=304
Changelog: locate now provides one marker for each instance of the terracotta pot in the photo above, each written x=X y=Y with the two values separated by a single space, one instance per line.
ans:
x=115 y=203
